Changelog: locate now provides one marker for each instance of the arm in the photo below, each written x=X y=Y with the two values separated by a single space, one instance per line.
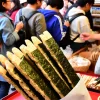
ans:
x=40 y=24
x=88 y=36
x=57 y=29
x=9 y=36
x=85 y=28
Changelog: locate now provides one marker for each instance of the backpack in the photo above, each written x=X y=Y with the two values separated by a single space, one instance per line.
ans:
x=66 y=39
x=25 y=32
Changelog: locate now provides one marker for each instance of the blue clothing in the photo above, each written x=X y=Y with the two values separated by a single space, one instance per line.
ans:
x=7 y=35
x=7 y=39
x=54 y=24
x=4 y=89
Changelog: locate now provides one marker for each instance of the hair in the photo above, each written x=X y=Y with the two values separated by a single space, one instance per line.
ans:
x=82 y=3
x=71 y=1
x=45 y=1
x=16 y=7
x=56 y=3
x=32 y=1
x=2 y=9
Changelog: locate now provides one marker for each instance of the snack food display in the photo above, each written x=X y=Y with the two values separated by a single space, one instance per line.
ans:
x=59 y=57
x=92 y=83
x=12 y=81
x=42 y=68
x=35 y=79
x=79 y=63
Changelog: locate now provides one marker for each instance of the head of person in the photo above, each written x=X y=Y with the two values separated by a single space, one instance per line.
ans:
x=5 y=5
x=38 y=3
x=56 y=3
x=15 y=5
x=44 y=4
x=86 y=4
x=23 y=3
x=65 y=3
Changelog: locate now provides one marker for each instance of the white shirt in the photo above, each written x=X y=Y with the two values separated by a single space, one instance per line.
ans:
x=79 y=25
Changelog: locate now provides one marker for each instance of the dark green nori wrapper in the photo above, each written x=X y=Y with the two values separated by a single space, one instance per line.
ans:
x=54 y=48
x=37 y=79
x=51 y=72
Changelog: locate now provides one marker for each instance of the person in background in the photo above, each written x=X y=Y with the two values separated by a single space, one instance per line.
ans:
x=71 y=2
x=54 y=20
x=65 y=7
x=37 y=21
x=80 y=24
x=15 y=5
x=44 y=4
x=8 y=36
x=87 y=14
x=23 y=3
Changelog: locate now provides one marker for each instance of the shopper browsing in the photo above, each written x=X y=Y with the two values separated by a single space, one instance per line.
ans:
x=8 y=37
x=80 y=24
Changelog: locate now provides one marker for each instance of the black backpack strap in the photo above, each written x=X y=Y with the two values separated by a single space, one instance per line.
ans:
x=75 y=16
x=31 y=14
x=71 y=2
x=22 y=17
x=70 y=21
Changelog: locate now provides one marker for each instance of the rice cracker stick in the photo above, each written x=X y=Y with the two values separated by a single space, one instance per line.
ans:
x=17 y=76
x=22 y=54
x=48 y=71
x=40 y=46
x=35 y=79
x=10 y=80
x=59 y=57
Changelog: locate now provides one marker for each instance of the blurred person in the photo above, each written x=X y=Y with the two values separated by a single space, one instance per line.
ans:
x=65 y=7
x=23 y=3
x=36 y=23
x=87 y=14
x=8 y=36
x=71 y=2
x=15 y=5
x=44 y=4
x=80 y=24
x=53 y=19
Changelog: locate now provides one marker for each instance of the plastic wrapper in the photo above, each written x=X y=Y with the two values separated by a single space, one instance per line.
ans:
x=97 y=66
x=79 y=92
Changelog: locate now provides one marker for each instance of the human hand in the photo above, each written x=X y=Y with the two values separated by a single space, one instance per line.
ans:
x=66 y=23
x=19 y=26
x=86 y=36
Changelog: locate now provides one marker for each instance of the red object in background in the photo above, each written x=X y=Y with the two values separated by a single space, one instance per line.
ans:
x=94 y=95
x=17 y=96
x=14 y=96
x=14 y=15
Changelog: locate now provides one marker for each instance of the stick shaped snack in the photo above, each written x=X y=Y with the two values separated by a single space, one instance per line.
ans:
x=48 y=71
x=21 y=54
x=10 y=80
x=2 y=59
x=59 y=57
x=35 y=79
x=40 y=46
x=22 y=81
